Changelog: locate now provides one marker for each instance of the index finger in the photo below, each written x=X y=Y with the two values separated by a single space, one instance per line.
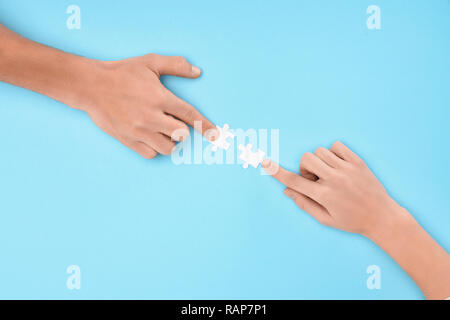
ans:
x=292 y=180
x=191 y=116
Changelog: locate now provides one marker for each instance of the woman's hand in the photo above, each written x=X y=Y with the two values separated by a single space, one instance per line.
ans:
x=338 y=190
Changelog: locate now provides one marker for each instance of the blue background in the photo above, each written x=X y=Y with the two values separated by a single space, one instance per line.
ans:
x=70 y=194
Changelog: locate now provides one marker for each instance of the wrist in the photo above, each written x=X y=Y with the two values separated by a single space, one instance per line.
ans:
x=78 y=82
x=389 y=224
x=94 y=84
x=415 y=251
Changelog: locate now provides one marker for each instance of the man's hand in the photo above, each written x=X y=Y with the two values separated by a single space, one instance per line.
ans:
x=124 y=98
x=132 y=105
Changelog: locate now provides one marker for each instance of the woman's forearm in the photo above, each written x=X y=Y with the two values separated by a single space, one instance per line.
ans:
x=416 y=252
x=54 y=73
x=348 y=196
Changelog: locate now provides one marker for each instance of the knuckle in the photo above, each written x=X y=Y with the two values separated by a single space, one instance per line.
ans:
x=302 y=205
x=336 y=144
x=285 y=178
x=131 y=130
x=149 y=155
x=323 y=221
x=180 y=60
x=180 y=63
x=359 y=162
x=159 y=98
x=151 y=56
x=292 y=180
x=189 y=114
x=136 y=125
x=144 y=152
x=306 y=157
x=135 y=128
x=151 y=60
x=320 y=220
x=338 y=175
x=331 y=174
x=319 y=151
x=180 y=133
x=167 y=149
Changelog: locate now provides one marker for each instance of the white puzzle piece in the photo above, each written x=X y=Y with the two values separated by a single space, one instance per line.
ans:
x=221 y=142
x=249 y=157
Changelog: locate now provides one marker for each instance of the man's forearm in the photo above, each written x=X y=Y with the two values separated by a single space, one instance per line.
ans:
x=417 y=253
x=125 y=98
x=54 y=73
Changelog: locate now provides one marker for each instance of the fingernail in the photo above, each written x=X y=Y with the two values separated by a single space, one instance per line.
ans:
x=266 y=163
x=183 y=135
x=196 y=71
x=212 y=135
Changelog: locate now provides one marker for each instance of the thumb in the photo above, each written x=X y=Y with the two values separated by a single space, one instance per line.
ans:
x=173 y=66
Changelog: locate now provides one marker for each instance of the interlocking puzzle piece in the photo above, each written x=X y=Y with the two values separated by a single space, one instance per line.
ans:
x=221 y=141
x=249 y=157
